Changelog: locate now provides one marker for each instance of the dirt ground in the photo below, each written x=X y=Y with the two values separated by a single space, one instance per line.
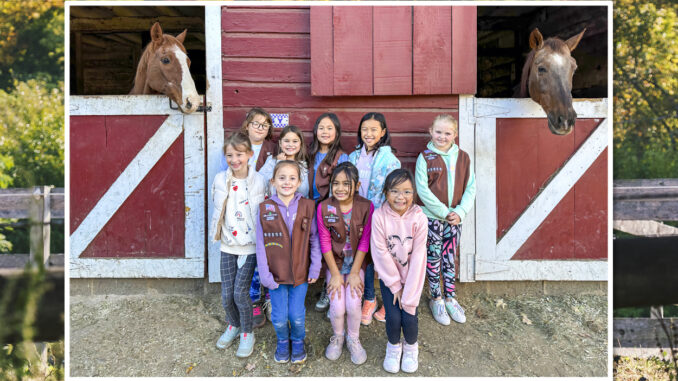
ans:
x=175 y=335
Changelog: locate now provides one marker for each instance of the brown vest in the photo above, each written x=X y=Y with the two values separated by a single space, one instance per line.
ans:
x=334 y=222
x=288 y=259
x=267 y=148
x=322 y=177
x=437 y=176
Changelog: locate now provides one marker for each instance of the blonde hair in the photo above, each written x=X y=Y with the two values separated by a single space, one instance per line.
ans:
x=283 y=163
x=238 y=141
x=449 y=119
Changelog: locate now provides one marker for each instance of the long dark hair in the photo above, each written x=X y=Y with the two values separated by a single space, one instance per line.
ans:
x=399 y=176
x=350 y=171
x=385 y=140
x=302 y=155
x=334 y=147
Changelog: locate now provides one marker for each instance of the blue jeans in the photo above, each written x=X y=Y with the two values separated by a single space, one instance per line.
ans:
x=369 y=283
x=288 y=313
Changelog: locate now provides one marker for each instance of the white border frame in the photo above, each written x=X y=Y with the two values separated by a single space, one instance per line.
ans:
x=493 y=259
x=192 y=265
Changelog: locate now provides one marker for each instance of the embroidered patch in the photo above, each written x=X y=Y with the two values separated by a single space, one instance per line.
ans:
x=331 y=209
x=273 y=244
x=270 y=216
x=270 y=207
x=274 y=234
x=431 y=157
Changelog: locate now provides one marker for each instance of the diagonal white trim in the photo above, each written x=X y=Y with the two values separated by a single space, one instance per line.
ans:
x=550 y=196
x=592 y=270
x=125 y=184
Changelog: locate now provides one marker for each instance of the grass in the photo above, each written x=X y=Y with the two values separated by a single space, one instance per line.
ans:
x=637 y=369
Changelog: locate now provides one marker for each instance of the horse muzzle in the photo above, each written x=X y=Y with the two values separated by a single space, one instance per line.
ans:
x=561 y=124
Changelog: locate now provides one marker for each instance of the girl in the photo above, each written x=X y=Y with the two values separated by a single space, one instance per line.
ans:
x=236 y=194
x=398 y=246
x=374 y=159
x=291 y=147
x=326 y=153
x=285 y=226
x=344 y=224
x=447 y=189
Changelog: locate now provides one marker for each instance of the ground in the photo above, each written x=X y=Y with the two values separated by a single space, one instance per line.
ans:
x=640 y=369
x=175 y=335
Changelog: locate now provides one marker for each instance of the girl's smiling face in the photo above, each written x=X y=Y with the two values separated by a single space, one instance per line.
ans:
x=237 y=160
x=286 y=180
x=370 y=133
x=290 y=144
x=342 y=187
x=443 y=135
x=257 y=129
x=326 y=132
x=400 y=197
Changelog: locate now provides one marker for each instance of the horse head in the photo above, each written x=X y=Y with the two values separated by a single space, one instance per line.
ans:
x=548 y=75
x=163 y=69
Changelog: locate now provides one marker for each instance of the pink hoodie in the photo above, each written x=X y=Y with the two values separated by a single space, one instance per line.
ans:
x=398 y=246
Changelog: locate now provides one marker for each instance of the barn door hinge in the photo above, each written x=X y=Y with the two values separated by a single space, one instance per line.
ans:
x=201 y=108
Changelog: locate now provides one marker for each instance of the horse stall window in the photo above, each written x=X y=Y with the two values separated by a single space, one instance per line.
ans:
x=503 y=45
x=107 y=42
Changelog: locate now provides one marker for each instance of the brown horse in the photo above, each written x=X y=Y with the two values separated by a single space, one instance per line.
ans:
x=547 y=75
x=163 y=69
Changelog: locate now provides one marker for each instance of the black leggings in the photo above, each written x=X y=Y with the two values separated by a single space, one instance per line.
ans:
x=397 y=318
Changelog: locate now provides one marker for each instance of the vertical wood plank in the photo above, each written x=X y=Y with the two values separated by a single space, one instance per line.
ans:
x=352 y=50
x=464 y=48
x=392 y=50
x=322 y=51
x=432 y=52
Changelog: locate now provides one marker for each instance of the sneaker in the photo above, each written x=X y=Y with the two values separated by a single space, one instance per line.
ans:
x=369 y=306
x=438 y=310
x=258 y=316
x=267 y=308
x=282 y=352
x=358 y=354
x=246 y=345
x=327 y=315
x=227 y=337
x=323 y=302
x=392 y=359
x=380 y=315
x=410 y=358
x=333 y=350
x=298 y=352
x=455 y=310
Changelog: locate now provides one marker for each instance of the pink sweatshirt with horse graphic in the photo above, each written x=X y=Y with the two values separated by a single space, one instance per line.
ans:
x=398 y=246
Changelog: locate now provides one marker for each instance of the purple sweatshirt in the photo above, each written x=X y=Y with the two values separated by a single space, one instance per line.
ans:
x=289 y=215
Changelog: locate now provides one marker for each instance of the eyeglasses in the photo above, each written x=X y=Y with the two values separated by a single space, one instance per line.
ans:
x=260 y=126
x=396 y=193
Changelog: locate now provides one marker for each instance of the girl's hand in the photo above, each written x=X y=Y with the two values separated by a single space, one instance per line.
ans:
x=334 y=286
x=281 y=155
x=396 y=297
x=312 y=280
x=355 y=284
x=453 y=218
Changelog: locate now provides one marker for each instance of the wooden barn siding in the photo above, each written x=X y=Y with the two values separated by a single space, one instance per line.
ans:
x=577 y=226
x=150 y=223
x=279 y=80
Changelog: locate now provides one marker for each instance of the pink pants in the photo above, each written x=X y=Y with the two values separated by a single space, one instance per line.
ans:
x=344 y=304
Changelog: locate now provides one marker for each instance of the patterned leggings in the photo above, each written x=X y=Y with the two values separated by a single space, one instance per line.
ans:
x=442 y=243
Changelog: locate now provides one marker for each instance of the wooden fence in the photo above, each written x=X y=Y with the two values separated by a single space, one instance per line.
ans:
x=40 y=206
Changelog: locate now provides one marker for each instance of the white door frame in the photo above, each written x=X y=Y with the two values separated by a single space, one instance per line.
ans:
x=481 y=256
x=192 y=126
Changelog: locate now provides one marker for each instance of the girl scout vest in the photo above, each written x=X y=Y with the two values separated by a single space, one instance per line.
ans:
x=437 y=176
x=288 y=256
x=334 y=222
x=322 y=176
x=267 y=148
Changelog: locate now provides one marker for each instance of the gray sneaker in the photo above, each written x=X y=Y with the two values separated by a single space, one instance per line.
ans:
x=227 y=337
x=323 y=302
x=358 y=354
x=334 y=349
x=246 y=346
x=455 y=310
x=438 y=310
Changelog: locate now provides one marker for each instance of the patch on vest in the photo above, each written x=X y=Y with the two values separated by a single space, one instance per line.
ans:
x=332 y=218
x=274 y=244
x=268 y=235
x=434 y=169
x=331 y=209
x=270 y=207
x=270 y=216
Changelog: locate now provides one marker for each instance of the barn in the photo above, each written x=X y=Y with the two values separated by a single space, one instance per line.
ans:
x=140 y=171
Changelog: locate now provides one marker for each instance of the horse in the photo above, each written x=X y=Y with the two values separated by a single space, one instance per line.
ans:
x=547 y=75
x=163 y=69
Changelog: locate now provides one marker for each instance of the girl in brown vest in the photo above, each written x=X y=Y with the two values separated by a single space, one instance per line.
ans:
x=344 y=225
x=325 y=153
x=286 y=228
x=446 y=186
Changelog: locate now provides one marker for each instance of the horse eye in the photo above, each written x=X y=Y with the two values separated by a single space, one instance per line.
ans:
x=541 y=69
x=165 y=60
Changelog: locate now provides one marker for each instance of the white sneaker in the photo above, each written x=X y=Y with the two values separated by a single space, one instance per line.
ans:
x=410 y=358
x=392 y=359
x=227 y=337
x=455 y=310
x=438 y=310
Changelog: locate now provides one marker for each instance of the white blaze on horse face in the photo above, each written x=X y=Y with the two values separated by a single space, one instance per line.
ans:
x=188 y=91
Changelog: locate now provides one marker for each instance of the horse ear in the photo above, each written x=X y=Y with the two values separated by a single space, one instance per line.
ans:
x=536 y=40
x=573 y=41
x=182 y=36
x=156 y=32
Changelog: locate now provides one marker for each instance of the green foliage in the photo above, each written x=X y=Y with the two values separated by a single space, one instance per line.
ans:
x=645 y=88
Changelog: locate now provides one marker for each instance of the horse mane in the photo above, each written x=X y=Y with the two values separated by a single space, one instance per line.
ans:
x=140 y=77
x=553 y=43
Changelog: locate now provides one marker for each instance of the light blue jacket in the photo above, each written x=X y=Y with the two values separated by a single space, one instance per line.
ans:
x=384 y=163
